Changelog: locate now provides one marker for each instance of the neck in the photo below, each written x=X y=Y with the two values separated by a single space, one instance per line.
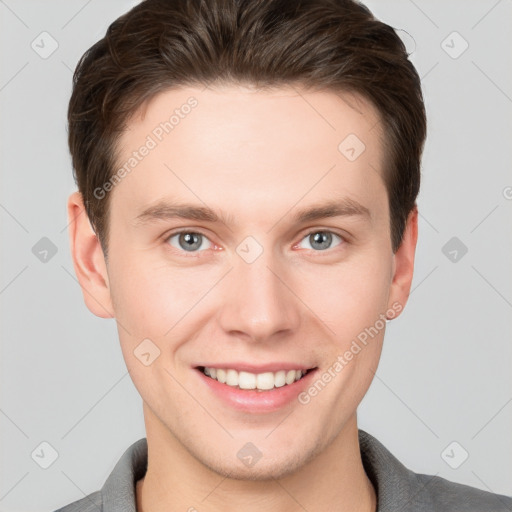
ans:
x=175 y=480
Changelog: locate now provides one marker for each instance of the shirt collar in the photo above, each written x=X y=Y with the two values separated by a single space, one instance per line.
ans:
x=118 y=492
x=397 y=487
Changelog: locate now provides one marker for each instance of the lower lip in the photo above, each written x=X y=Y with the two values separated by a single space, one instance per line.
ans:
x=257 y=401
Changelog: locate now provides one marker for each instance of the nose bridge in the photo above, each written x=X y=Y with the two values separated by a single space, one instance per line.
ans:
x=256 y=301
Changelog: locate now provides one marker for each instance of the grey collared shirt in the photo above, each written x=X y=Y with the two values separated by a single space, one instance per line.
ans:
x=398 y=489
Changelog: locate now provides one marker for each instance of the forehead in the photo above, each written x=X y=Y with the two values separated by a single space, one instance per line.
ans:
x=234 y=146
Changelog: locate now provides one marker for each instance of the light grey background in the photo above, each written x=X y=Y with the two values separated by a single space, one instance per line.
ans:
x=445 y=373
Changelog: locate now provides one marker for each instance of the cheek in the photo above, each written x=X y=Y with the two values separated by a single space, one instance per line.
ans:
x=367 y=291
x=351 y=295
x=150 y=298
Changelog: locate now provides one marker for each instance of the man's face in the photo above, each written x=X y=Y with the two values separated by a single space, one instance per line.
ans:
x=262 y=286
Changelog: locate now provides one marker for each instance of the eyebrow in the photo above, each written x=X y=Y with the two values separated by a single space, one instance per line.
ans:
x=162 y=210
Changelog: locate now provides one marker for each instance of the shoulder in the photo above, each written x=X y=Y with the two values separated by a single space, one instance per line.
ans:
x=399 y=488
x=91 y=503
x=450 y=496
x=118 y=492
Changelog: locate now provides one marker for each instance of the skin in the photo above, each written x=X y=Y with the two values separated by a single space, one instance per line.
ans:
x=258 y=157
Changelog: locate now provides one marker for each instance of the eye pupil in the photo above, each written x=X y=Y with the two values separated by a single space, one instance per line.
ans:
x=192 y=241
x=323 y=238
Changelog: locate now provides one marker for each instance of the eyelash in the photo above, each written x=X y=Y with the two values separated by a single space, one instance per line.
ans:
x=193 y=254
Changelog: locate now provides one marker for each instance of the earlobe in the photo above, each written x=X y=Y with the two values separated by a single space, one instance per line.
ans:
x=88 y=259
x=403 y=265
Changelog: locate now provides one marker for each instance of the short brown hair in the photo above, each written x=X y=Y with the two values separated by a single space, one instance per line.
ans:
x=332 y=45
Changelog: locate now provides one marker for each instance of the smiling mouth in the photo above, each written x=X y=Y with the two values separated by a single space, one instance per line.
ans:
x=266 y=381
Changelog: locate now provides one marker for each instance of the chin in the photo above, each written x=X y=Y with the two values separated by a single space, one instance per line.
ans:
x=260 y=472
x=271 y=465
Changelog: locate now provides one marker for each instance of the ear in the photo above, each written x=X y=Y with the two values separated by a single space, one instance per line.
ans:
x=403 y=265
x=88 y=259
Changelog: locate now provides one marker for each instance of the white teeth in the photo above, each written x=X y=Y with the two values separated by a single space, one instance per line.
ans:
x=290 y=377
x=265 y=380
x=261 y=381
x=232 y=378
x=247 y=380
x=280 y=379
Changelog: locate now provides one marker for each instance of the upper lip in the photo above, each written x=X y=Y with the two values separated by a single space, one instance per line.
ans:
x=252 y=368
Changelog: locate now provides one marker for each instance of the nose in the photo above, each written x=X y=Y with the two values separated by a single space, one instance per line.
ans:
x=258 y=300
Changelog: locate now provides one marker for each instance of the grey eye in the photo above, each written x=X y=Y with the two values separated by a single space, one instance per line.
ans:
x=188 y=241
x=320 y=240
